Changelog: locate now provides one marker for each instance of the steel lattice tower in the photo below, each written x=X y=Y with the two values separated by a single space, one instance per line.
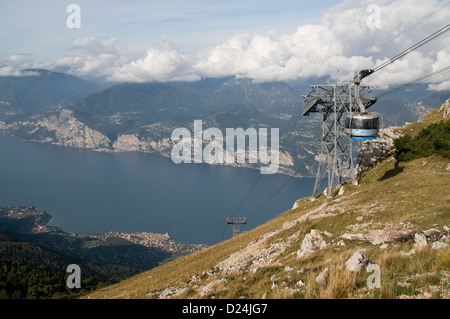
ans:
x=335 y=147
x=236 y=222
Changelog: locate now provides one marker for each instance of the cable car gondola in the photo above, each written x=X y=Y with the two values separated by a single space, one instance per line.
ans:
x=362 y=126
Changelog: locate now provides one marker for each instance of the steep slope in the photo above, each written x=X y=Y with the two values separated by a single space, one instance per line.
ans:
x=394 y=224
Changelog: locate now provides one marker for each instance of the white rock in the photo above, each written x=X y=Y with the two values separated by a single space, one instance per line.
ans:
x=358 y=262
x=445 y=108
x=210 y=288
x=439 y=245
x=410 y=253
x=322 y=277
x=420 y=240
x=378 y=241
x=353 y=236
x=287 y=268
x=340 y=243
x=300 y=283
x=312 y=242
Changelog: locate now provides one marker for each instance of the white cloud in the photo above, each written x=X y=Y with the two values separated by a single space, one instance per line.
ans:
x=338 y=46
x=7 y=70
x=158 y=65
x=94 y=57
x=13 y=66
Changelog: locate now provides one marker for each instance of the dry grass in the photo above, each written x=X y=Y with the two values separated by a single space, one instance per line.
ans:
x=339 y=284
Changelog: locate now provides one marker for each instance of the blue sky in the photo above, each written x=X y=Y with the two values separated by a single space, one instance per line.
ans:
x=142 y=41
x=39 y=27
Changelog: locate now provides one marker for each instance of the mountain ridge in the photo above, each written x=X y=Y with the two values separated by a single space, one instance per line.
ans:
x=141 y=116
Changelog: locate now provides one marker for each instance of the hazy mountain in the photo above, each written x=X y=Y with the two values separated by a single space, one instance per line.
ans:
x=29 y=94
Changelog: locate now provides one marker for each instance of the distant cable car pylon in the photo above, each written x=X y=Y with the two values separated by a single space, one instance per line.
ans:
x=236 y=222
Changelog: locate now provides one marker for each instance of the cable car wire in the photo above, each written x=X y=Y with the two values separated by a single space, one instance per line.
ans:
x=291 y=128
x=416 y=81
x=414 y=47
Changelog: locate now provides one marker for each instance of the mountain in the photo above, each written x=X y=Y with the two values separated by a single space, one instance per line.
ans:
x=360 y=242
x=38 y=89
x=55 y=108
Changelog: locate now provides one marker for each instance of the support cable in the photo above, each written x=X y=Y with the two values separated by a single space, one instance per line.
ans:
x=414 y=47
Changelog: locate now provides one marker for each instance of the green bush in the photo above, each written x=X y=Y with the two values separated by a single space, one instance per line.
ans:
x=433 y=139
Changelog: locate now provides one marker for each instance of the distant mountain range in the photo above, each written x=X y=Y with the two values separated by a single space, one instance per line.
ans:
x=62 y=109
x=26 y=95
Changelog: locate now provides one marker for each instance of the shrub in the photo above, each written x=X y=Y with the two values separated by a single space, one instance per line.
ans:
x=433 y=139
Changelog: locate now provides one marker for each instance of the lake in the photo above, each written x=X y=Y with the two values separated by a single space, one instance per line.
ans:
x=91 y=192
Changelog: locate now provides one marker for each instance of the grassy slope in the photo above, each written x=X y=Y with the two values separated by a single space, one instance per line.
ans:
x=414 y=195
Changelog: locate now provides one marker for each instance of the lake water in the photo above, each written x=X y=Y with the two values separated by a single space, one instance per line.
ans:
x=91 y=192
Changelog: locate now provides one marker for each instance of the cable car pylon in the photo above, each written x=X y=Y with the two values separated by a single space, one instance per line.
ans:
x=344 y=119
x=236 y=222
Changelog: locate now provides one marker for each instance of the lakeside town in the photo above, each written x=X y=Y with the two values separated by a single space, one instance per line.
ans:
x=31 y=224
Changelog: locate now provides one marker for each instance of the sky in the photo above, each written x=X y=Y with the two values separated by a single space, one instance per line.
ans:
x=283 y=40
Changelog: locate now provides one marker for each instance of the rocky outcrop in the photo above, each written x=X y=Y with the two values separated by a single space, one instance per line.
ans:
x=445 y=109
x=59 y=127
x=313 y=241
x=371 y=151
x=132 y=143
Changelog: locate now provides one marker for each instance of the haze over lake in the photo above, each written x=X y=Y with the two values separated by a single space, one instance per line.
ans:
x=91 y=192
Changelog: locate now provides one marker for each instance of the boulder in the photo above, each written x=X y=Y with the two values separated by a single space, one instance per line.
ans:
x=313 y=241
x=357 y=263
x=439 y=245
x=420 y=240
x=322 y=277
